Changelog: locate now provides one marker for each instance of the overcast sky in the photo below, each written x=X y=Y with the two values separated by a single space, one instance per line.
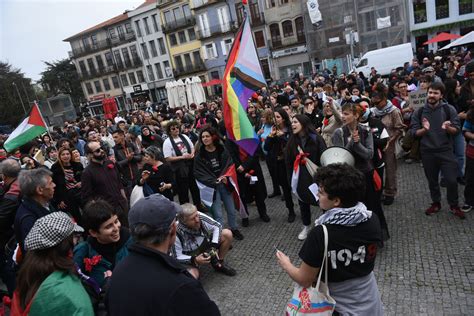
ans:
x=32 y=31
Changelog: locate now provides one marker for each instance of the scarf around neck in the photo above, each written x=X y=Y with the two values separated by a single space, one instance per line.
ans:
x=387 y=109
x=350 y=216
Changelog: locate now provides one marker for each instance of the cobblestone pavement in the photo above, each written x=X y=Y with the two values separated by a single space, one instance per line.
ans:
x=426 y=268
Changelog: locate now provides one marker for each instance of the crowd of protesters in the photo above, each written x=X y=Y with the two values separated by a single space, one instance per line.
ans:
x=91 y=167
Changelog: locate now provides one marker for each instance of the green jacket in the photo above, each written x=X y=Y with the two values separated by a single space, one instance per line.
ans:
x=61 y=294
x=85 y=250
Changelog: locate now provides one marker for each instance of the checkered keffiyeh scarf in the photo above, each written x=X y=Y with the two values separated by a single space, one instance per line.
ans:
x=350 y=216
x=49 y=231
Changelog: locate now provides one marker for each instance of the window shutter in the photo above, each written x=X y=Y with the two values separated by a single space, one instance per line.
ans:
x=204 y=52
x=214 y=49
x=224 y=50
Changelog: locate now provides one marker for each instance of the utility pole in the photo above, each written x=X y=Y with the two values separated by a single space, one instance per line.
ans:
x=24 y=90
x=19 y=96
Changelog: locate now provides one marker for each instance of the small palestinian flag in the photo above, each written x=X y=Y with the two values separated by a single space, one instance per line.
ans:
x=31 y=127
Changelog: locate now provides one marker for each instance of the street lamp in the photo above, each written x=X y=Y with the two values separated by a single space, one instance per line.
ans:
x=17 y=91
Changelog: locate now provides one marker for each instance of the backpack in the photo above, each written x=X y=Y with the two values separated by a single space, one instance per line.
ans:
x=419 y=112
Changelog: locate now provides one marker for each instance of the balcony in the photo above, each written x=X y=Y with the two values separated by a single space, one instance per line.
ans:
x=286 y=42
x=257 y=19
x=189 y=69
x=129 y=64
x=163 y=3
x=179 y=24
x=101 y=45
x=96 y=73
x=216 y=30
x=199 y=4
x=122 y=39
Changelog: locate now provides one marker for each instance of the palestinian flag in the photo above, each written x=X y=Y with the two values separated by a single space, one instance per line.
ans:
x=231 y=175
x=31 y=127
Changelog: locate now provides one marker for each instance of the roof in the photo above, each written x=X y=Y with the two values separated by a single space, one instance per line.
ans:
x=147 y=2
x=114 y=20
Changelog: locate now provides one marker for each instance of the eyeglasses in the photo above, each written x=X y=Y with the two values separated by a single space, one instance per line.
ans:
x=308 y=103
x=173 y=128
x=98 y=150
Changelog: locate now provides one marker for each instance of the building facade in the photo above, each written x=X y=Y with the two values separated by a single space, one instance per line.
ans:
x=430 y=17
x=153 y=50
x=107 y=61
x=216 y=26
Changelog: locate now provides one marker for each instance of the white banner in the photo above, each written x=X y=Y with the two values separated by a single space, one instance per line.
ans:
x=314 y=13
x=383 y=22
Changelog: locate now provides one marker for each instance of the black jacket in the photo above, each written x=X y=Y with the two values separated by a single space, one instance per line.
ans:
x=128 y=168
x=149 y=282
x=202 y=166
x=10 y=198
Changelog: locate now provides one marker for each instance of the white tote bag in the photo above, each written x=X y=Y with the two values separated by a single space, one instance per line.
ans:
x=137 y=194
x=313 y=300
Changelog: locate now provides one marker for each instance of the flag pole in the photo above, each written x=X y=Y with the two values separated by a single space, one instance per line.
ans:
x=45 y=124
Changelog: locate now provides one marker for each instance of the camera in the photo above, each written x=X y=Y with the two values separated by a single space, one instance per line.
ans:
x=214 y=256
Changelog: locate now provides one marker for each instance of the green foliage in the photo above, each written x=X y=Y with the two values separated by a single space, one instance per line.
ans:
x=11 y=109
x=61 y=77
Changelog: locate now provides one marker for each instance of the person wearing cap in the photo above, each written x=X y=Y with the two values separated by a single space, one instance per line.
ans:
x=201 y=241
x=149 y=139
x=430 y=71
x=150 y=281
x=47 y=281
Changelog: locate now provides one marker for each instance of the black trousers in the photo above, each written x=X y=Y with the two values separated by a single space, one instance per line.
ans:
x=372 y=200
x=305 y=209
x=283 y=181
x=273 y=170
x=469 y=176
x=446 y=163
x=183 y=186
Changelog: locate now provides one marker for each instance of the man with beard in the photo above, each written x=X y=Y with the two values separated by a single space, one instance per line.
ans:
x=436 y=124
x=101 y=179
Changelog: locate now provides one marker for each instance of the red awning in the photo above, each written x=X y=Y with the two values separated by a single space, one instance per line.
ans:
x=212 y=83
x=441 y=37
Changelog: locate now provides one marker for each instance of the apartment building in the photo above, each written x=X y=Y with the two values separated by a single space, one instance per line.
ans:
x=153 y=50
x=216 y=25
x=427 y=18
x=284 y=19
x=107 y=61
x=179 y=23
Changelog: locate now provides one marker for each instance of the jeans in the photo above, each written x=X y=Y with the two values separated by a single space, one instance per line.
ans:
x=459 y=152
x=223 y=195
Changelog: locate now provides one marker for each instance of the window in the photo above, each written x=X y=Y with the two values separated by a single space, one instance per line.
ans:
x=151 y=76
x=133 y=51
x=118 y=58
x=419 y=9
x=362 y=63
x=259 y=39
x=109 y=59
x=187 y=60
x=442 y=9
x=98 y=87
x=128 y=28
x=191 y=34
x=271 y=3
x=368 y=19
x=140 y=76
x=90 y=63
x=112 y=33
x=169 y=17
x=187 y=11
x=106 y=84
x=126 y=57
x=178 y=62
x=120 y=32
x=210 y=50
x=168 y=71
x=394 y=14
x=154 y=52
x=284 y=1
x=145 y=51
x=182 y=37
x=82 y=66
x=178 y=14
x=115 y=82
x=287 y=28
x=100 y=62
x=214 y=74
x=94 y=40
x=155 y=22
x=275 y=34
x=89 y=88
x=173 y=40
x=139 y=30
x=161 y=93
x=147 y=27
x=161 y=45
x=124 y=79
x=299 y=26
x=197 y=57
x=131 y=76
x=466 y=6
x=159 y=72
x=226 y=46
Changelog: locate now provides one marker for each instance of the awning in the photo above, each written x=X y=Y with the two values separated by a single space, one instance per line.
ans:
x=441 y=37
x=466 y=39
x=213 y=82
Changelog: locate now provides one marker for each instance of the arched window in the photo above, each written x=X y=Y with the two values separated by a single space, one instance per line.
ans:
x=275 y=34
x=287 y=28
x=299 y=26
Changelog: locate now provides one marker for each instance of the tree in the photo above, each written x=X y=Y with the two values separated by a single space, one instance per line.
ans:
x=11 y=108
x=61 y=77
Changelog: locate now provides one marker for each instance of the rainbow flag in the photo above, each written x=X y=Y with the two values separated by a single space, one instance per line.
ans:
x=242 y=77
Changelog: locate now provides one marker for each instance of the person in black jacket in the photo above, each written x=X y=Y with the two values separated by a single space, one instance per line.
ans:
x=304 y=142
x=156 y=173
x=149 y=281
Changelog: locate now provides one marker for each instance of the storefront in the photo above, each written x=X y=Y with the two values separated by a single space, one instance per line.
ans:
x=290 y=61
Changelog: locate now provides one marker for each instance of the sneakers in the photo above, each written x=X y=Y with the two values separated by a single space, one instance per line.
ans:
x=265 y=218
x=291 y=217
x=457 y=212
x=237 y=234
x=304 y=233
x=224 y=269
x=466 y=208
x=434 y=208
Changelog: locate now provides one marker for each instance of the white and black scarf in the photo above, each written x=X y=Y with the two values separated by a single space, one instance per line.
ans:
x=350 y=216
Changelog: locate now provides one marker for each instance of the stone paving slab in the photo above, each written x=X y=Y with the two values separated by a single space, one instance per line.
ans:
x=426 y=268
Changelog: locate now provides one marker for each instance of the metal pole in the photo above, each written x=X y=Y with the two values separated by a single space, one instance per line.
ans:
x=24 y=90
x=19 y=96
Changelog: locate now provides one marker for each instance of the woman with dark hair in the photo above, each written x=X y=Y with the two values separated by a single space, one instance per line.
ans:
x=47 y=282
x=27 y=162
x=46 y=143
x=210 y=164
x=67 y=177
x=263 y=133
x=149 y=139
x=358 y=140
x=304 y=143
x=156 y=173
x=332 y=120
x=275 y=145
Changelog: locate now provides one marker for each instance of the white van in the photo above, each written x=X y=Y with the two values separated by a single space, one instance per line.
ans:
x=385 y=59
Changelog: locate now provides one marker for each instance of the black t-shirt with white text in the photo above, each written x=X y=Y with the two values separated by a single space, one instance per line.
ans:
x=215 y=160
x=351 y=249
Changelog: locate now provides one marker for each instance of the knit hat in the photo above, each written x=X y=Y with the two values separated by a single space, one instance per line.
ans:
x=50 y=231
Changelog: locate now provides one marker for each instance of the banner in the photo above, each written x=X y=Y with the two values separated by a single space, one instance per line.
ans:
x=417 y=98
x=314 y=13
x=383 y=22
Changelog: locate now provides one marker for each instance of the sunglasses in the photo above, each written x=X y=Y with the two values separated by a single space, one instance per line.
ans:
x=308 y=103
x=173 y=128
x=98 y=150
